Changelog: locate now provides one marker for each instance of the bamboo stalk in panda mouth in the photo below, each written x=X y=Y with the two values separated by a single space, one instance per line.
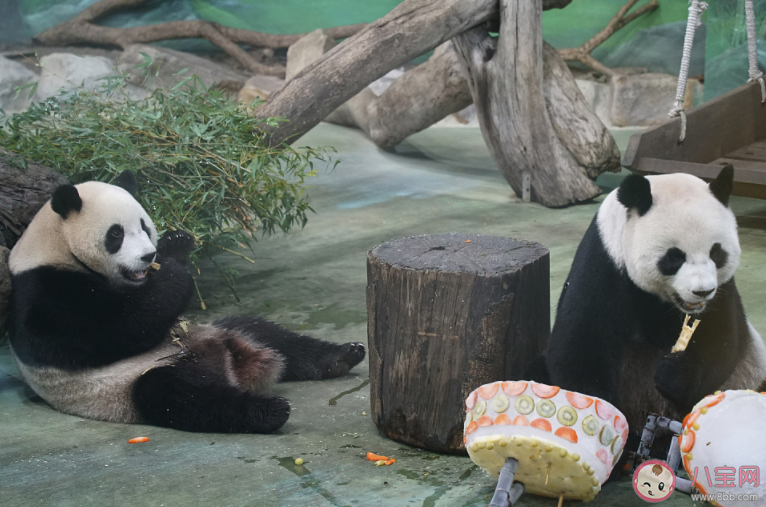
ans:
x=686 y=335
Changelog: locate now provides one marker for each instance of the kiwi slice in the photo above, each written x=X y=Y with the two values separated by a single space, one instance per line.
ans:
x=606 y=436
x=567 y=416
x=479 y=409
x=500 y=404
x=546 y=408
x=524 y=404
x=590 y=425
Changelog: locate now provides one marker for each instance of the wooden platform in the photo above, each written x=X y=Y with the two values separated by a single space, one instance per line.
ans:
x=730 y=129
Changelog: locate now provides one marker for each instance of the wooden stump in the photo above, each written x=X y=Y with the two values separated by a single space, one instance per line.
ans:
x=446 y=314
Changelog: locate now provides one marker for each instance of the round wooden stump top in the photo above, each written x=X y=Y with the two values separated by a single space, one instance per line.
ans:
x=459 y=253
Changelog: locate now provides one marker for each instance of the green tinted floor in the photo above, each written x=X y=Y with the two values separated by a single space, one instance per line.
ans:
x=314 y=280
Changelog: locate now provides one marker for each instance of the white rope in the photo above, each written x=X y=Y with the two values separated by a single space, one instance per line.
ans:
x=752 y=48
x=696 y=8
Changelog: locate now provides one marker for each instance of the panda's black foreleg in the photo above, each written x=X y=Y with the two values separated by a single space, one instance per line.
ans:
x=306 y=358
x=189 y=398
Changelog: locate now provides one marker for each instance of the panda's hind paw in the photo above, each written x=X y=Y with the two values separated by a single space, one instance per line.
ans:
x=267 y=415
x=346 y=357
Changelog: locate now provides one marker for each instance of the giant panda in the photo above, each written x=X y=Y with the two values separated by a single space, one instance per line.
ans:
x=97 y=332
x=658 y=249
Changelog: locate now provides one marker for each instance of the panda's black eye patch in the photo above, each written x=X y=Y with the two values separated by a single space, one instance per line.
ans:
x=672 y=261
x=114 y=237
x=719 y=256
x=146 y=229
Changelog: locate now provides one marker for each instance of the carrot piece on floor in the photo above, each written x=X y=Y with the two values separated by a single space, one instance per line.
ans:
x=138 y=440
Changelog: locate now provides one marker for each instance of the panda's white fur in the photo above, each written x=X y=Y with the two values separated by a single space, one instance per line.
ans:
x=95 y=332
x=685 y=214
x=660 y=247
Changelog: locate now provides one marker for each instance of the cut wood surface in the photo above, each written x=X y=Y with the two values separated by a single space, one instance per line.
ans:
x=506 y=81
x=24 y=187
x=447 y=314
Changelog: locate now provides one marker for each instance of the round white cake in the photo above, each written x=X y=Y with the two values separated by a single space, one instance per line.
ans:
x=565 y=442
x=724 y=447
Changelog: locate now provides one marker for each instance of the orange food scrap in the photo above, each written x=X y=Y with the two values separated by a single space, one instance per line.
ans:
x=541 y=424
x=138 y=440
x=520 y=420
x=467 y=241
x=688 y=440
x=380 y=460
x=603 y=410
x=514 y=388
x=484 y=420
x=471 y=428
x=503 y=419
x=488 y=391
x=544 y=391
x=567 y=434
x=578 y=400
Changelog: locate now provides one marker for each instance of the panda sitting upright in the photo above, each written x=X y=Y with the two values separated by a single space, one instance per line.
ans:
x=96 y=332
x=659 y=248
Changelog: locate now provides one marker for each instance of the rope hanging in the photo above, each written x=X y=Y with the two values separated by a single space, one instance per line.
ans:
x=696 y=8
x=752 y=48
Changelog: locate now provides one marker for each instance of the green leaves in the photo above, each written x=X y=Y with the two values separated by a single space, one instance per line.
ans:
x=200 y=159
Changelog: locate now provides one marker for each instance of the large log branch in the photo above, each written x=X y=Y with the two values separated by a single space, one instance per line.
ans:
x=506 y=81
x=411 y=29
x=582 y=54
x=82 y=29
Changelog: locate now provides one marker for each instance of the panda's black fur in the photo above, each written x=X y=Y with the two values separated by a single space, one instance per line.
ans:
x=612 y=339
x=115 y=352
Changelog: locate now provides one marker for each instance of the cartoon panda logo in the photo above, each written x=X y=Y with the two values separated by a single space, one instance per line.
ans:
x=654 y=481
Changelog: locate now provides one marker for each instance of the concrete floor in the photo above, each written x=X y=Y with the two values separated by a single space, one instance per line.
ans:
x=314 y=280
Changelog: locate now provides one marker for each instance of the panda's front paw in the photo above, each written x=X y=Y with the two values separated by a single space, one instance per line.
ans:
x=177 y=245
x=343 y=359
x=669 y=378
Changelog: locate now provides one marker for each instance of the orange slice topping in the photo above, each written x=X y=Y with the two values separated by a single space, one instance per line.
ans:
x=485 y=420
x=544 y=391
x=489 y=390
x=514 y=388
x=471 y=400
x=578 y=400
x=520 y=420
x=619 y=424
x=715 y=400
x=567 y=434
x=471 y=428
x=602 y=455
x=503 y=419
x=541 y=424
x=603 y=410
x=688 y=441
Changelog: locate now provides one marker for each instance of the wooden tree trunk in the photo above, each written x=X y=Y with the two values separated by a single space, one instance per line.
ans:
x=446 y=314
x=506 y=81
x=24 y=187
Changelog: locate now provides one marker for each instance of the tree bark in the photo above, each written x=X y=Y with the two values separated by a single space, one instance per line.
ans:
x=506 y=81
x=447 y=314
x=411 y=29
x=24 y=187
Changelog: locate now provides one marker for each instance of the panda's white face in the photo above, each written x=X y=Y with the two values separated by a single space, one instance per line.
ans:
x=682 y=248
x=111 y=234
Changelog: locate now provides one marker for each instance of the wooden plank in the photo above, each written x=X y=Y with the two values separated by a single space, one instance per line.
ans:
x=755 y=152
x=749 y=177
x=725 y=124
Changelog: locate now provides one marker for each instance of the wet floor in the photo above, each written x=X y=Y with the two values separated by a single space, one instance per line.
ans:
x=313 y=280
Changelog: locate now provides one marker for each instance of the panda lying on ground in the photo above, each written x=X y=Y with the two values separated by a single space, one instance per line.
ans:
x=660 y=247
x=95 y=331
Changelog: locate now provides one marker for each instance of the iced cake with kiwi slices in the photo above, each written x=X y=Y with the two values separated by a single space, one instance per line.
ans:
x=565 y=442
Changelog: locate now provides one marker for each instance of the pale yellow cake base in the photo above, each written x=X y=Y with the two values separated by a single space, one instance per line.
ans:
x=569 y=474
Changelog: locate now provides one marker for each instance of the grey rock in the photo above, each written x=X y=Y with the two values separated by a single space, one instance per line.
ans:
x=659 y=49
x=13 y=74
x=598 y=96
x=259 y=87
x=306 y=50
x=169 y=62
x=645 y=99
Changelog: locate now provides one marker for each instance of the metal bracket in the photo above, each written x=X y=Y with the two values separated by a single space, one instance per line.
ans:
x=507 y=492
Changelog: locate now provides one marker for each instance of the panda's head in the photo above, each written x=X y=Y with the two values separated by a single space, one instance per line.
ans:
x=674 y=234
x=92 y=226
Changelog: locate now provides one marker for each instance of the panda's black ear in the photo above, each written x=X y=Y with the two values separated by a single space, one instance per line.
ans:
x=635 y=193
x=128 y=181
x=65 y=199
x=723 y=184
